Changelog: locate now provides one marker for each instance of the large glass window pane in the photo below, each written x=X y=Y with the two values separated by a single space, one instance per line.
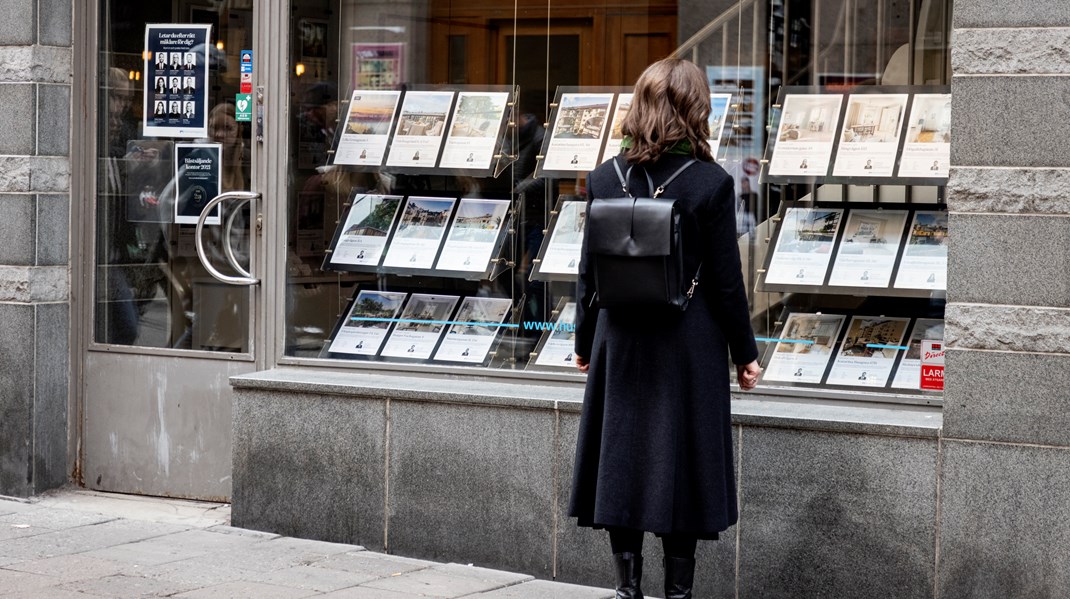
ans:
x=751 y=51
x=151 y=290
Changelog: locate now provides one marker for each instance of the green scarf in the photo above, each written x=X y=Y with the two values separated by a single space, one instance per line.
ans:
x=681 y=147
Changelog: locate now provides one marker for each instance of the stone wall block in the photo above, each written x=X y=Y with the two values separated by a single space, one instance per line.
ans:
x=35 y=64
x=1011 y=51
x=51 y=376
x=990 y=263
x=1010 y=121
x=19 y=23
x=18 y=119
x=56 y=22
x=1005 y=524
x=18 y=226
x=21 y=174
x=1011 y=13
x=1009 y=190
x=1007 y=328
x=53 y=230
x=54 y=109
x=34 y=284
x=1007 y=396
x=834 y=515
x=16 y=399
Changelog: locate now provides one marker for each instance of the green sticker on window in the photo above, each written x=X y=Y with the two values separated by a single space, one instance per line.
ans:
x=243 y=108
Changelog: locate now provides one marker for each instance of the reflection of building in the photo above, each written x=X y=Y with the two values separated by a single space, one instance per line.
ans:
x=483 y=221
x=819 y=227
x=418 y=215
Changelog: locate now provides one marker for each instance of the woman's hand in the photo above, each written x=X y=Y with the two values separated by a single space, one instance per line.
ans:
x=747 y=375
x=581 y=364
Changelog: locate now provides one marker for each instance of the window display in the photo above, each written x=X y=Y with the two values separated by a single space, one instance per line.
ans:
x=456 y=173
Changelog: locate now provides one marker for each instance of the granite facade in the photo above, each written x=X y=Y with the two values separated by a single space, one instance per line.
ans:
x=35 y=92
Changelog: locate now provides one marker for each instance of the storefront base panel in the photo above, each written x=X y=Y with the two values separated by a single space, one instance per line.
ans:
x=480 y=472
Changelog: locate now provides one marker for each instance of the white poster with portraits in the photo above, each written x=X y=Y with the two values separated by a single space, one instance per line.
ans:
x=474 y=130
x=473 y=236
x=367 y=323
x=924 y=262
x=616 y=135
x=576 y=137
x=473 y=330
x=908 y=375
x=806 y=135
x=364 y=232
x=869 y=137
x=419 y=232
x=804 y=246
x=420 y=325
x=559 y=349
x=868 y=351
x=367 y=127
x=421 y=126
x=927 y=148
x=562 y=254
x=803 y=350
x=867 y=250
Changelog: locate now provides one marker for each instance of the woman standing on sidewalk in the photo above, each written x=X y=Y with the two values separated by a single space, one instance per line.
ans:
x=654 y=452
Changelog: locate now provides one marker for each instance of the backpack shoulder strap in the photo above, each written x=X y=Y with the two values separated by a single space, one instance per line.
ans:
x=621 y=176
x=661 y=188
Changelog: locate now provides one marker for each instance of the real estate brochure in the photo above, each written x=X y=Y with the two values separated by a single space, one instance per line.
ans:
x=559 y=349
x=473 y=330
x=908 y=375
x=419 y=232
x=924 y=263
x=473 y=236
x=616 y=136
x=805 y=137
x=804 y=246
x=866 y=254
x=366 y=130
x=365 y=229
x=562 y=255
x=927 y=149
x=719 y=104
x=804 y=347
x=420 y=325
x=421 y=126
x=366 y=324
x=576 y=138
x=868 y=351
x=474 y=130
x=869 y=138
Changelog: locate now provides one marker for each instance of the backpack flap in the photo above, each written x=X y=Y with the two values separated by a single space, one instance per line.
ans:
x=632 y=227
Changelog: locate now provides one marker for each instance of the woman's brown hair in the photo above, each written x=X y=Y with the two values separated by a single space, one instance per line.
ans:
x=671 y=104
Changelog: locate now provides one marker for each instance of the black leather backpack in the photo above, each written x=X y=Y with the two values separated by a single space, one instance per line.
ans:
x=636 y=248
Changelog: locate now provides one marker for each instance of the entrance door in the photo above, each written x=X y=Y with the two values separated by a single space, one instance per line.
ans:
x=162 y=333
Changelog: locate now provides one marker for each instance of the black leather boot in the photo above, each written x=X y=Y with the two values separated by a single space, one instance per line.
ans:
x=629 y=568
x=679 y=577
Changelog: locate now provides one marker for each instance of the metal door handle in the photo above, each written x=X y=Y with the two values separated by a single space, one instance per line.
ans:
x=247 y=278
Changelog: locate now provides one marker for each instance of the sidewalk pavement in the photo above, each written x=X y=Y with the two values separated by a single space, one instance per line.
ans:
x=85 y=544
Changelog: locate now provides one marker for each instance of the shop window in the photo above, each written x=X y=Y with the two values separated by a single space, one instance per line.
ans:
x=450 y=220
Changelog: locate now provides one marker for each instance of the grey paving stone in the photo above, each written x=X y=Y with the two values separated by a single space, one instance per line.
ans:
x=375 y=565
x=245 y=590
x=194 y=574
x=278 y=554
x=86 y=538
x=448 y=580
x=242 y=532
x=314 y=579
x=53 y=519
x=24 y=582
x=123 y=586
x=69 y=568
x=541 y=589
x=365 y=593
x=53 y=593
x=151 y=552
x=10 y=505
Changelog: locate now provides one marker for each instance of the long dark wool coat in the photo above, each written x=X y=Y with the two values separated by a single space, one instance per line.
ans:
x=654 y=451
